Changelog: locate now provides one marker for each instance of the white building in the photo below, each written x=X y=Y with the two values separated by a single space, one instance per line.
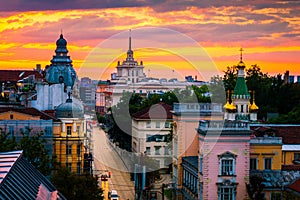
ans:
x=150 y=129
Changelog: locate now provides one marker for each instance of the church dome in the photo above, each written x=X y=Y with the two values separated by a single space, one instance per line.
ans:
x=241 y=64
x=69 y=110
x=61 y=42
x=253 y=107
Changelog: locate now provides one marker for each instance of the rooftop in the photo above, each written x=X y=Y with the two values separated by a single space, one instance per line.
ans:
x=15 y=75
x=158 y=111
x=28 y=111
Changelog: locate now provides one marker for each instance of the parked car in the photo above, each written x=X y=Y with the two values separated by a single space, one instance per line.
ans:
x=113 y=195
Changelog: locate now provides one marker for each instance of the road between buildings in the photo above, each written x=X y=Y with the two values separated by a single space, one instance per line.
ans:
x=106 y=159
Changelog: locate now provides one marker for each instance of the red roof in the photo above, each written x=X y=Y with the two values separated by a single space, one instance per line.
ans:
x=29 y=111
x=295 y=186
x=15 y=75
x=156 y=111
x=290 y=133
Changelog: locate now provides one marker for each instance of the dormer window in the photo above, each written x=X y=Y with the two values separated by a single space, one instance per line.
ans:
x=227 y=163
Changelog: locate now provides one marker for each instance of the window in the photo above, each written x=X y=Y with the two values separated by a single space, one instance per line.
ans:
x=78 y=130
x=267 y=163
x=48 y=130
x=227 y=164
x=226 y=167
x=297 y=156
x=275 y=196
x=148 y=150
x=78 y=149
x=157 y=148
x=253 y=163
x=11 y=116
x=167 y=124
x=226 y=193
x=11 y=130
x=242 y=108
x=167 y=151
x=78 y=168
x=157 y=125
x=69 y=149
x=200 y=163
x=148 y=124
x=69 y=130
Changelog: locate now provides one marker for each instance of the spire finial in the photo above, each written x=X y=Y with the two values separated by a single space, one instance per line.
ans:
x=129 y=39
x=241 y=50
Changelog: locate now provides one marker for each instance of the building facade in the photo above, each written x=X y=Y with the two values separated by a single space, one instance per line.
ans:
x=224 y=150
x=69 y=137
x=150 y=130
x=185 y=143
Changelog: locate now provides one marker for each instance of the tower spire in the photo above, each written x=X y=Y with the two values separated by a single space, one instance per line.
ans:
x=130 y=39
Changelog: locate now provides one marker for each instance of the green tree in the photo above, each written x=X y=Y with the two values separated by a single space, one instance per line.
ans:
x=33 y=146
x=76 y=187
x=7 y=143
x=229 y=78
x=217 y=90
x=255 y=188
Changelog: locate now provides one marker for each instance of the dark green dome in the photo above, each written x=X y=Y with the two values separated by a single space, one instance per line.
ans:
x=69 y=110
x=61 y=42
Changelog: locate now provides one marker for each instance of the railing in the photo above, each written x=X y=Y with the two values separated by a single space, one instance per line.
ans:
x=223 y=125
x=266 y=140
x=197 y=107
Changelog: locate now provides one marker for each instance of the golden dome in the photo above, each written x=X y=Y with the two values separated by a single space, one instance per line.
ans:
x=253 y=107
x=232 y=107
x=227 y=106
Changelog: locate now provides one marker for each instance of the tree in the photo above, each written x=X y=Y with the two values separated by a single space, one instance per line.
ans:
x=229 y=78
x=75 y=187
x=34 y=151
x=217 y=90
x=255 y=188
x=7 y=143
x=33 y=147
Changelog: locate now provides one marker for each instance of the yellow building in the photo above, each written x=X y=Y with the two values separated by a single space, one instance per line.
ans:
x=69 y=136
x=291 y=154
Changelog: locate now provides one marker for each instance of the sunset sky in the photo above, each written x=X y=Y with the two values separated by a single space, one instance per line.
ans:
x=173 y=38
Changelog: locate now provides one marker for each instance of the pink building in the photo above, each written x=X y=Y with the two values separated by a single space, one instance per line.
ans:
x=223 y=159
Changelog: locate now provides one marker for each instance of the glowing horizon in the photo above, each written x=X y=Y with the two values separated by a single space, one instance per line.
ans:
x=268 y=32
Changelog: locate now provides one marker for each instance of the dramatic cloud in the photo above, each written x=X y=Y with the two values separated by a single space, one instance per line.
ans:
x=266 y=28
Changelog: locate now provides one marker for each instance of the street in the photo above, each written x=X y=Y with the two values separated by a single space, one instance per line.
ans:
x=106 y=160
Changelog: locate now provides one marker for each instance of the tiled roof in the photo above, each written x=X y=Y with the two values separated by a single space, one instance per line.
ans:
x=290 y=133
x=157 y=111
x=29 y=111
x=295 y=186
x=7 y=160
x=20 y=180
x=15 y=75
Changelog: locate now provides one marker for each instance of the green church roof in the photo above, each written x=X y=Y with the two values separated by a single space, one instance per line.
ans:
x=241 y=89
